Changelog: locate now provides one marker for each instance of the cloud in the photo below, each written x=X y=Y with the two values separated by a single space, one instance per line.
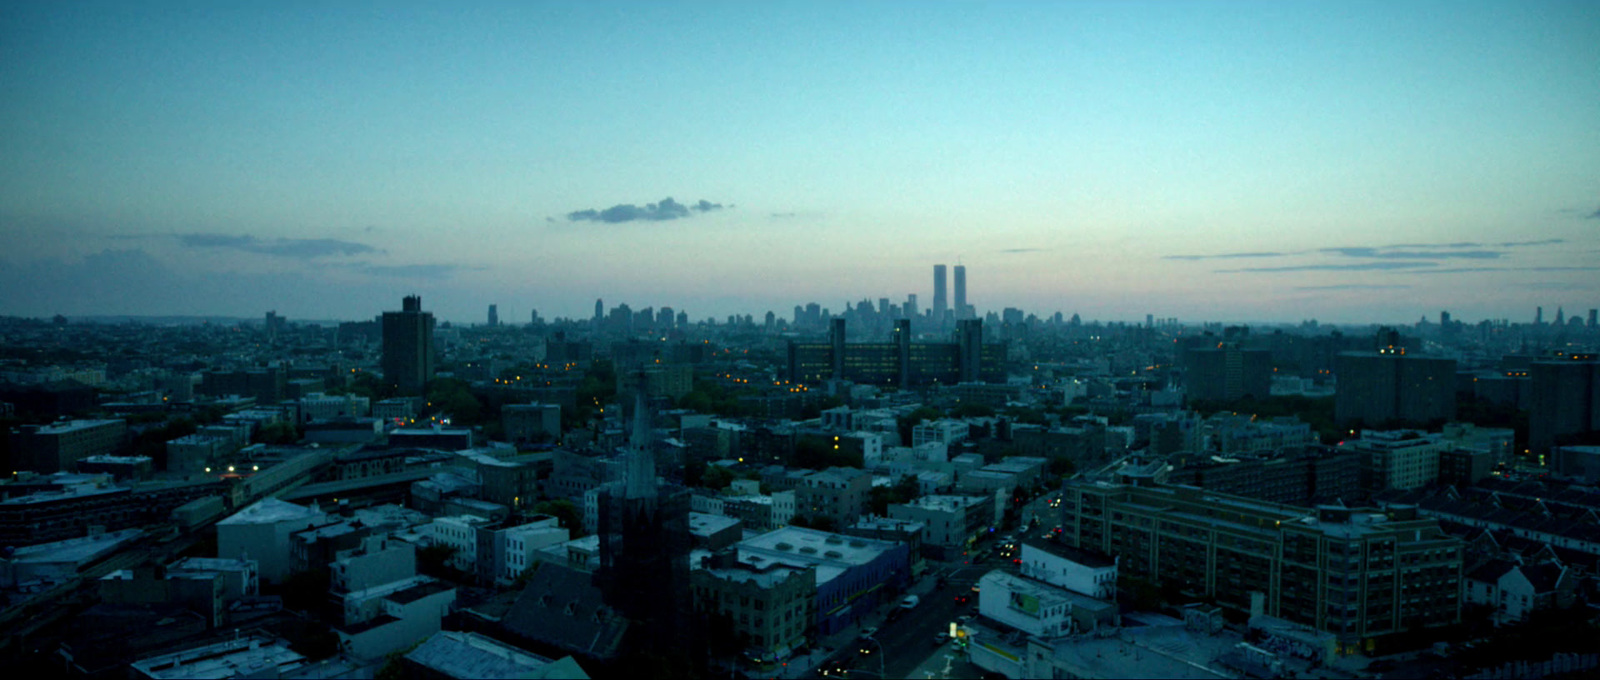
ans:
x=1519 y=244
x=413 y=271
x=1465 y=270
x=1013 y=251
x=303 y=248
x=1360 y=266
x=1226 y=256
x=667 y=209
x=1384 y=253
x=1353 y=286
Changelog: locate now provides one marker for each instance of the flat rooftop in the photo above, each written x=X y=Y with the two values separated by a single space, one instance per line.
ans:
x=470 y=655
x=270 y=511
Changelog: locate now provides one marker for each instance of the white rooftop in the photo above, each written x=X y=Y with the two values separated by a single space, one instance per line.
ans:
x=271 y=511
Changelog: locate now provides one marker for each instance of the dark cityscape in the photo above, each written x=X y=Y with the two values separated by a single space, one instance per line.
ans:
x=997 y=354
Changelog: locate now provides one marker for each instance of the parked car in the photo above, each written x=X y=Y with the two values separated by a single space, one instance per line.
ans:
x=910 y=602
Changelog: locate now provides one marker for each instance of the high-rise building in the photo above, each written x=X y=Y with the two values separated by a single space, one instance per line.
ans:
x=941 y=303
x=494 y=315
x=899 y=362
x=408 y=359
x=1564 y=401
x=911 y=307
x=1228 y=372
x=961 y=293
x=1387 y=388
x=599 y=309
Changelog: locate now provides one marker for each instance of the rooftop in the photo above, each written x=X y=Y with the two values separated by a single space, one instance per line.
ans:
x=702 y=524
x=247 y=657
x=470 y=655
x=271 y=511
x=75 y=550
x=1086 y=558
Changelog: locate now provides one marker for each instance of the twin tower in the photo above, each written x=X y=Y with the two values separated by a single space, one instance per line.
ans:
x=942 y=311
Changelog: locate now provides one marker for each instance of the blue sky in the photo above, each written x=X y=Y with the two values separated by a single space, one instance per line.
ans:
x=1350 y=161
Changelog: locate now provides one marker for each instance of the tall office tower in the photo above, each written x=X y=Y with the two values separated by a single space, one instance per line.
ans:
x=1564 y=401
x=911 y=306
x=1592 y=317
x=1538 y=316
x=961 y=293
x=1561 y=317
x=408 y=358
x=644 y=551
x=599 y=309
x=533 y=316
x=941 y=303
x=494 y=315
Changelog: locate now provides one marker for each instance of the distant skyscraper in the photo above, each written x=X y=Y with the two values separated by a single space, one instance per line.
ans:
x=941 y=303
x=408 y=358
x=599 y=309
x=1538 y=316
x=494 y=315
x=911 y=306
x=961 y=293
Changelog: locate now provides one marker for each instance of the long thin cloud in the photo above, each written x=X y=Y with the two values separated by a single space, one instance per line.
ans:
x=302 y=248
x=1355 y=267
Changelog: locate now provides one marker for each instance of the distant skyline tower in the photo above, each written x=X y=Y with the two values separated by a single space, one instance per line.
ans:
x=599 y=309
x=1593 y=313
x=941 y=303
x=494 y=315
x=408 y=359
x=961 y=293
x=1538 y=316
x=911 y=306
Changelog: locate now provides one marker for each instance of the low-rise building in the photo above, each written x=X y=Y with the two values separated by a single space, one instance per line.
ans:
x=1036 y=608
x=1075 y=569
x=951 y=523
x=262 y=533
x=767 y=605
x=854 y=575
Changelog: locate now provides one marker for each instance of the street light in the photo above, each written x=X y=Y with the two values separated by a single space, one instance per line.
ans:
x=874 y=640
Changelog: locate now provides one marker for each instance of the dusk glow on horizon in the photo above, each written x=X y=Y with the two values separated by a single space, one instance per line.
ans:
x=1244 y=161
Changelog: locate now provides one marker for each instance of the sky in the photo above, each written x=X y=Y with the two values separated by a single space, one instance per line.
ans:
x=1233 y=161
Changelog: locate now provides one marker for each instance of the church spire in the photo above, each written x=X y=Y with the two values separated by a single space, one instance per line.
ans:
x=641 y=474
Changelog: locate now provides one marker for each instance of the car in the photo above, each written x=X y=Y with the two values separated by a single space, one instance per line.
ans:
x=940 y=639
x=963 y=598
x=910 y=602
x=869 y=631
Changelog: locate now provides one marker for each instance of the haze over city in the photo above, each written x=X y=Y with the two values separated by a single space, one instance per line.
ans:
x=1350 y=162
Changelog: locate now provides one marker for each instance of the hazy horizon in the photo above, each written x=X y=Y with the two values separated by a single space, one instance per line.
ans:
x=1348 y=162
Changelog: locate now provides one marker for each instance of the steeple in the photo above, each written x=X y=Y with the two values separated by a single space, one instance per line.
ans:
x=641 y=473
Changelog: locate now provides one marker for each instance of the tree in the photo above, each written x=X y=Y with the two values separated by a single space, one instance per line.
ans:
x=433 y=560
x=913 y=419
x=278 y=433
x=566 y=512
x=716 y=477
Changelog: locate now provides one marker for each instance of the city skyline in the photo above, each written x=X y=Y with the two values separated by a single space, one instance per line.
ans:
x=1241 y=162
